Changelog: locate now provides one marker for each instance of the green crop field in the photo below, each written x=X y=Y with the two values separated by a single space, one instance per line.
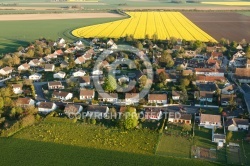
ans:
x=17 y=33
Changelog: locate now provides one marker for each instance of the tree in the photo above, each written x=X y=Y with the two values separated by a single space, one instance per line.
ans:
x=1 y=103
x=143 y=81
x=139 y=45
x=166 y=60
x=229 y=136
x=247 y=51
x=16 y=60
x=110 y=84
x=220 y=110
x=30 y=53
x=129 y=119
x=186 y=127
x=184 y=96
x=162 y=77
x=112 y=113
x=185 y=82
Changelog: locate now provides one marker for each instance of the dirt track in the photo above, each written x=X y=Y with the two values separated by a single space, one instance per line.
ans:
x=56 y=16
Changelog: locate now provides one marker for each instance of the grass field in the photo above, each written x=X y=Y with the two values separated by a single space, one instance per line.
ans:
x=235 y=3
x=162 y=24
x=174 y=143
x=17 y=33
x=63 y=131
x=29 y=153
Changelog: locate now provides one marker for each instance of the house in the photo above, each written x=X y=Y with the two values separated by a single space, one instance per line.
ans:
x=189 y=54
x=157 y=98
x=108 y=97
x=177 y=117
x=152 y=113
x=97 y=72
x=170 y=77
x=79 y=73
x=55 y=85
x=243 y=75
x=88 y=54
x=210 y=121
x=248 y=63
x=72 y=110
x=60 y=41
x=45 y=59
x=105 y=64
x=17 y=88
x=218 y=138
x=80 y=60
x=208 y=79
x=64 y=64
x=35 y=77
x=210 y=87
x=46 y=107
x=110 y=42
x=176 y=95
x=79 y=43
x=131 y=98
x=227 y=99
x=216 y=55
x=187 y=72
x=58 y=52
x=214 y=64
x=24 y=66
x=97 y=112
x=87 y=94
x=34 y=63
x=25 y=102
x=239 y=47
x=49 y=67
x=59 y=75
x=6 y=70
x=123 y=79
x=235 y=124
x=51 y=56
x=61 y=95
x=84 y=81
x=209 y=72
x=228 y=90
x=204 y=96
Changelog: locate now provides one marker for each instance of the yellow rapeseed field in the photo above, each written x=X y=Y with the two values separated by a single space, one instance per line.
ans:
x=228 y=3
x=160 y=25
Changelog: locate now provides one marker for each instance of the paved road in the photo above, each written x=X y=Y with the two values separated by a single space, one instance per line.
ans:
x=39 y=91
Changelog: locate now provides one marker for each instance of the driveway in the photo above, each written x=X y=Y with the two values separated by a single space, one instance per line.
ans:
x=39 y=90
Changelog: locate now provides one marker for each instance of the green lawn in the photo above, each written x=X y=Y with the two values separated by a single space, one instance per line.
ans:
x=29 y=153
x=64 y=131
x=173 y=142
x=18 y=33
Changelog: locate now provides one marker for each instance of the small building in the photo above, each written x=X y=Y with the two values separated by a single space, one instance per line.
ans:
x=243 y=75
x=180 y=118
x=49 y=67
x=80 y=60
x=46 y=107
x=227 y=99
x=59 y=75
x=84 y=81
x=236 y=124
x=55 y=85
x=153 y=113
x=64 y=64
x=79 y=73
x=157 y=98
x=217 y=138
x=34 y=63
x=25 y=102
x=210 y=121
x=24 y=67
x=35 y=77
x=62 y=95
x=108 y=97
x=176 y=95
x=17 y=88
x=6 y=70
x=72 y=110
x=228 y=90
x=204 y=96
x=97 y=112
x=87 y=94
x=132 y=98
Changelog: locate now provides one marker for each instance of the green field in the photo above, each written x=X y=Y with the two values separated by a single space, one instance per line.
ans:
x=59 y=141
x=17 y=33
x=174 y=143
x=29 y=153
x=64 y=131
